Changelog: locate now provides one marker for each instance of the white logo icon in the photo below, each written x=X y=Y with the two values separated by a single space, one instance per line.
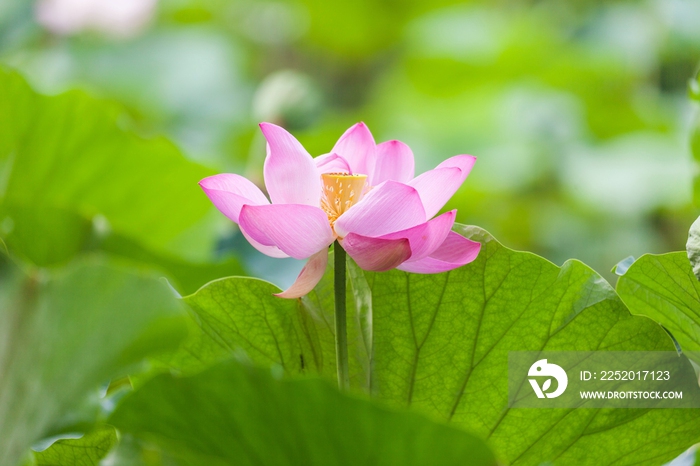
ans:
x=542 y=369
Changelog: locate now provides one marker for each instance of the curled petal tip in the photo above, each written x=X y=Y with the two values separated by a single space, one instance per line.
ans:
x=266 y=127
x=204 y=181
x=464 y=162
x=309 y=276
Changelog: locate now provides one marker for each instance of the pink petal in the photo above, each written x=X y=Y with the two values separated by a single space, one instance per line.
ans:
x=376 y=254
x=290 y=172
x=437 y=186
x=298 y=230
x=309 y=276
x=463 y=162
x=389 y=207
x=230 y=192
x=394 y=162
x=427 y=237
x=272 y=251
x=331 y=163
x=454 y=252
x=357 y=146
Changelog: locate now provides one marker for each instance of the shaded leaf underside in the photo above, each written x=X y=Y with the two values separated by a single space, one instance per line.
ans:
x=232 y=414
x=61 y=338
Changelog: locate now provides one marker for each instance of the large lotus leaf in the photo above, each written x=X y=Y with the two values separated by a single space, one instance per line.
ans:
x=665 y=289
x=237 y=415
x=65 y=159
x=63 y=336
x=239 y=316
x=441 y=345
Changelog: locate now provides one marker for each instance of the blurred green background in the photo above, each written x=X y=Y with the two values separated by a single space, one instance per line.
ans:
x=577 y=111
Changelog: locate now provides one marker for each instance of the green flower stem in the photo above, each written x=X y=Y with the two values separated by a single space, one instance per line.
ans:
x=341 y=332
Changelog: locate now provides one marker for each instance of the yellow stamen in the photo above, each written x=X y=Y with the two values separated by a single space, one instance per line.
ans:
x=340 y=192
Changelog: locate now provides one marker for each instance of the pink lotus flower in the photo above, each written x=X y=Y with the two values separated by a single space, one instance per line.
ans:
x=361 y=193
